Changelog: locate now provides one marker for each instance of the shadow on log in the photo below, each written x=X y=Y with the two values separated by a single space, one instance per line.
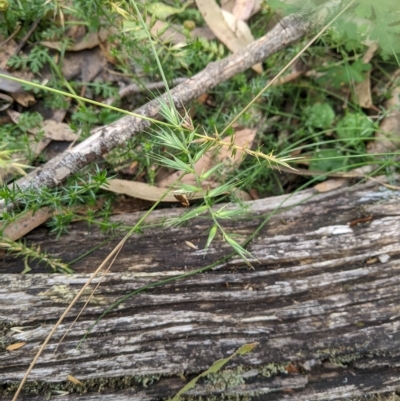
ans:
x=322 y=302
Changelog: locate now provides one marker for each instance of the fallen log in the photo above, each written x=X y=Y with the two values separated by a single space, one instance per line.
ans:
x=321 y=301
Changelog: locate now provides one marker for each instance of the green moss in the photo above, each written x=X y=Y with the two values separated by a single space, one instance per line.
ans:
x=344 y=355
x=218 y=397
x=65 y=294
x=5 y=340
x=46 y=389
x=226 y=378
x=273 y=369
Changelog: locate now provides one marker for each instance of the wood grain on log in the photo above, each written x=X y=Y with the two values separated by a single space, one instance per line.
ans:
x=322 y=302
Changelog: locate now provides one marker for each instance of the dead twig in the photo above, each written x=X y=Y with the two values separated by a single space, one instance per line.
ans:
x=134 y=88
x=17 y=29
x=27 y=36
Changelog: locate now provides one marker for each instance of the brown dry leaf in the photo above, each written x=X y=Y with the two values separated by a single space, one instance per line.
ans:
x=373 y=47
x=242 y=138
x=29 y=220
x=6 y=51
x=331 y=184
x=254 y=194
x=52 y=129
x=291 y=368
x=362 y=91
x=5 y=101
x=106 y=46
x=22 y=97
x=74 y=380
x=75 y=32
x=13 y=347
x=243 y=9
x=389 y=127
x=25 y=99
x=58 y=131
x=229 y=30
x=14 y=115
x=123 y=204
x=191 y=245
x=26 y=223
x=87 y=63
x=142 y=190
x=52 y=114
x=202 y=32
x=239 y=8
x=203 y=165
x=228 y=5
x=242 y=195
x=7 y=85
x=89 y=41
x=170 y=32
x=35 y=146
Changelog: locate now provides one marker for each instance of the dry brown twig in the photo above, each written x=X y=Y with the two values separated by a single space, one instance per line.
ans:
x=134 y=88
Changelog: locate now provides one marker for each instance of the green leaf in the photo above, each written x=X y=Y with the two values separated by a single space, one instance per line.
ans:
x=189 y=188
x=363 y=9
x=211 y=235
x=326 y=160
x=176 y=163
x=354 y=127
x=226 y=214
x=208 y=173
x=320 y=115
x=339 y=75
x=246 y=348
x=243 y=253
x=223 y=189
x=192 y=213
x=163 y=11
x=215 y=367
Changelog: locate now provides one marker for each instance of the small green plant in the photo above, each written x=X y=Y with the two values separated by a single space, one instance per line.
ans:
x=213 y=369
x=320 y=116
x=64 y=202
x=35 y=61
x=29 y=255
x=187 y=148
x=8 y=165
x=364 y=20
x=354 y=128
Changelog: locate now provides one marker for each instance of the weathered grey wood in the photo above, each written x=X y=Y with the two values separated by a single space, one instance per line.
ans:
x=322 y=302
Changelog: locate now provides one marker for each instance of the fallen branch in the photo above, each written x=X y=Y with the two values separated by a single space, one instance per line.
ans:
x=323 y=302
x=106 y=138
